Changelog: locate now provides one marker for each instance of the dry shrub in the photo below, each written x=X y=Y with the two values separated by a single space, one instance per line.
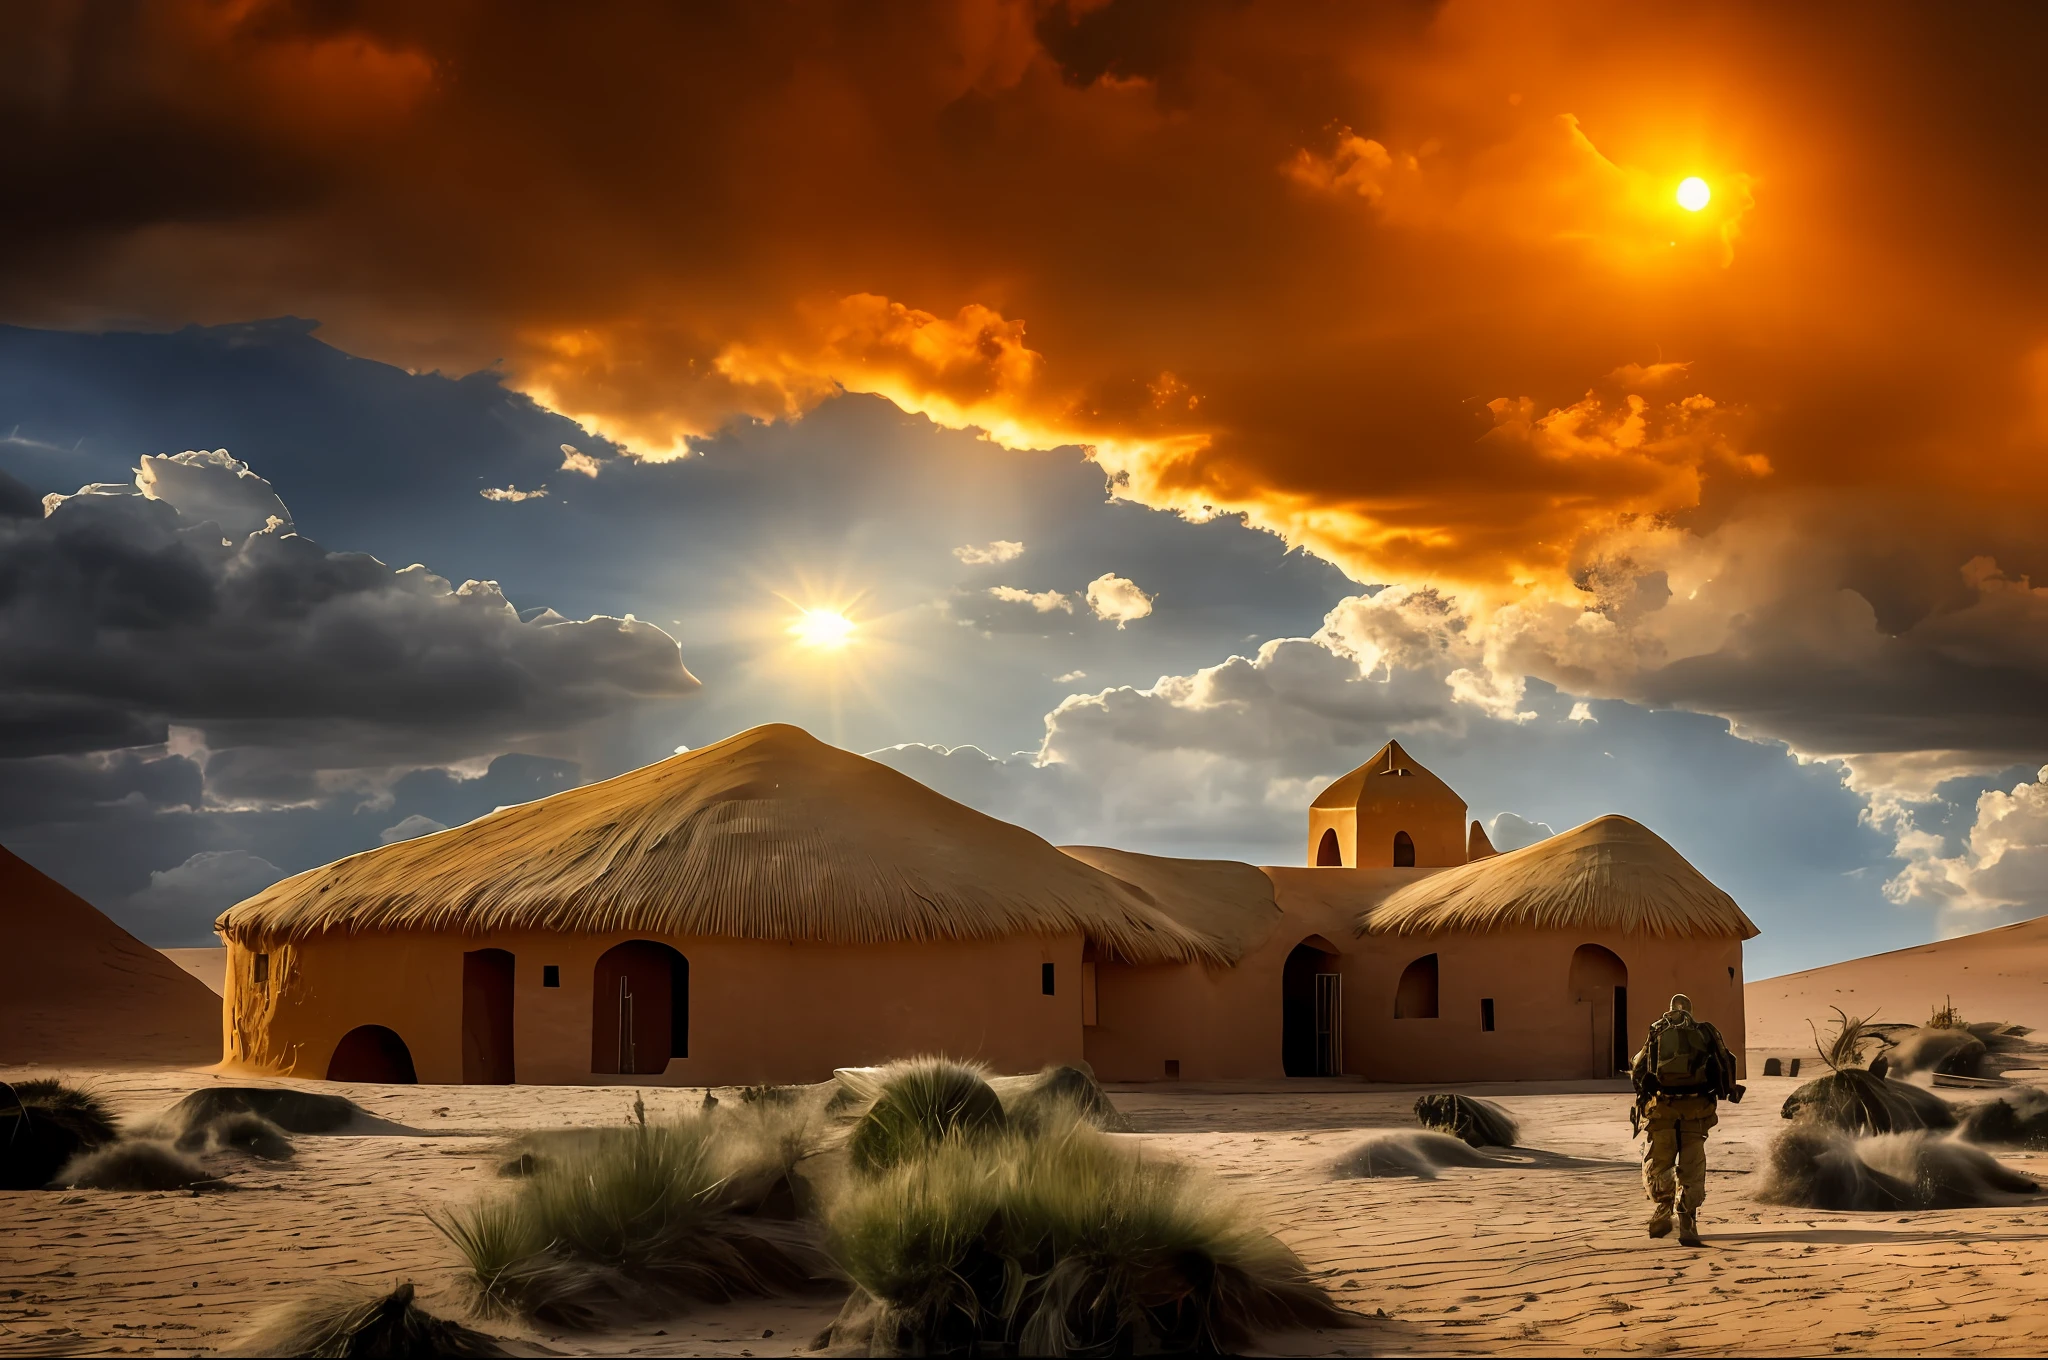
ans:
x=1059 y=1243
x=45 y=1124
x=638 y=1221
x=1812 y=1166
x=241 y=1132
x=1404 y=1153
x=921 y=1102
x=1856 y=1101
x=2017 y=1118
x=350 y=1321
x=1481 y=1123
x=1057 y=1096
x=133 y=1164
x=290 y=1110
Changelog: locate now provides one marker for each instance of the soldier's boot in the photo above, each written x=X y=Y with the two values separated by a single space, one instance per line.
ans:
x=1688 y=1230
x=1660 y=1221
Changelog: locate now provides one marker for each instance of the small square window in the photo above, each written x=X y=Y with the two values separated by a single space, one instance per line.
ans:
x=1486 y=1012
x=550 y=975
x=1173 y=1069
x=259 y=968
x=1045 y=979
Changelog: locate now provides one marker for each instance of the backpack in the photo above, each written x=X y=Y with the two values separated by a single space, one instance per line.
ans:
x=1681 y=1057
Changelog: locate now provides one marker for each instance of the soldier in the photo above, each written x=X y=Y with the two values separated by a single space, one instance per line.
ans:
x=1683 y=1069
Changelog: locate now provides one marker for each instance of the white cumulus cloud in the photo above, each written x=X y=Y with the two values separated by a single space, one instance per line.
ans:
x=1117 y=599
x=1044 y=601
x=989 y=554
x=512 y=493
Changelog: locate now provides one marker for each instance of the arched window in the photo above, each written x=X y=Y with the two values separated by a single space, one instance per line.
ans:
x=1415 y=998
x=1404 y=851
x=1328 y=856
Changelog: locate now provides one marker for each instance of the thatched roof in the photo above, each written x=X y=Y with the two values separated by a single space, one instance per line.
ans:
x=1610 y=874
x=1392 y=778
x=1226 y=902
x=769 y=835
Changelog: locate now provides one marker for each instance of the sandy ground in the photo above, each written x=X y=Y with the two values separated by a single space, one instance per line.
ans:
x=1539 y=1259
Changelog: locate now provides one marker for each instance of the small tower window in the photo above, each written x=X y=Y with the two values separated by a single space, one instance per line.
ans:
x=259 y=969
x=1045 y=979
x=1486 y=1013
x=1328 y=856
x=551 y=975
x=1404 y=850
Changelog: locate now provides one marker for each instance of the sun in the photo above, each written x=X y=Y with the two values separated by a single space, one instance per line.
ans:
x=1693 y=194
x=826 y=629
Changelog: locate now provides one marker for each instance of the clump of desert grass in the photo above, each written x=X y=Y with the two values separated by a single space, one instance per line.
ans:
x=290 y=1110
x=613 y=1224
x=1056 y=1096
x=1407 y=1153
x=242 y=1132
x=922 y=1102
x=134 y=1164
x=2016 y=1118
x=45 y=1124
x=1813 y=1166
x=1480 y=1123
x=1056 y=1242
x=343 y=1320
x=1855 y=1100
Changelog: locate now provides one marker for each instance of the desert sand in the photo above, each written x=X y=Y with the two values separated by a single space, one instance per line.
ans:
x=75 y=986
x=1545 y=1258
x=210 y=966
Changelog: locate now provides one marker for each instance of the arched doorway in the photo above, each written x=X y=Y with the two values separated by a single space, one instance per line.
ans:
x=1404 y=850
x=372 y=1053
x=640 y=1009
x=1328 y=855
x=1599 y=985
x=1416 y=996
x=487 y=1017
x=1311 y=1011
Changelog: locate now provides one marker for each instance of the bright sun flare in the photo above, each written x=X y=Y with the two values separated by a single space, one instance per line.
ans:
x=1693 y=194
x=826 y=628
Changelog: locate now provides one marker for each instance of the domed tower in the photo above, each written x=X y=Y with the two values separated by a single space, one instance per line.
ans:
x=1388 y=813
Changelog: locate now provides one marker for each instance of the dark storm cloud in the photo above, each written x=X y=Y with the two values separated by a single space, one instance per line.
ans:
x=116 y=598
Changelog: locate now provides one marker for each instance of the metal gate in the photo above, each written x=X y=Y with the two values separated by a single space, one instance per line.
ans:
x=626 y=1046
x=1329 y=1024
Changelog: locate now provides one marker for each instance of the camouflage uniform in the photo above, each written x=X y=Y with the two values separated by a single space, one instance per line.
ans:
x=1675 y=1122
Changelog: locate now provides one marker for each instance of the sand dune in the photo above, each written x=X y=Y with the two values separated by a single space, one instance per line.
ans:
x=210 y=966
x=75 y=987
x=1997 y=974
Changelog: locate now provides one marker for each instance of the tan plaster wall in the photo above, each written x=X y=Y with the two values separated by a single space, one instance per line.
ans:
x=1365 y=835
x=760 y=1011
x=1540 y=1032
x=1226 y=1023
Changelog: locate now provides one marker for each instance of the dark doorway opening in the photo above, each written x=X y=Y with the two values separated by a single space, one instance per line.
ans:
x=1328 y=856
x=1311 y=1011
x=487 y=1017
x=1599 y=983
x=1415 y=998
x=640 y=1009
x=372 y=1053
x=1404 y=850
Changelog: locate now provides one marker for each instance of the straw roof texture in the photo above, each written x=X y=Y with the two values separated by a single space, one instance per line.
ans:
x=1610 y=874
x=768 y=835
x=1228 y=903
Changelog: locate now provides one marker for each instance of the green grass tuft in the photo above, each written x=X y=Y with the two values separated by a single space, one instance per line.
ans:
x=637 y=1221
x=1059 y=1243
x=922 y=1102
x=344 y=1320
